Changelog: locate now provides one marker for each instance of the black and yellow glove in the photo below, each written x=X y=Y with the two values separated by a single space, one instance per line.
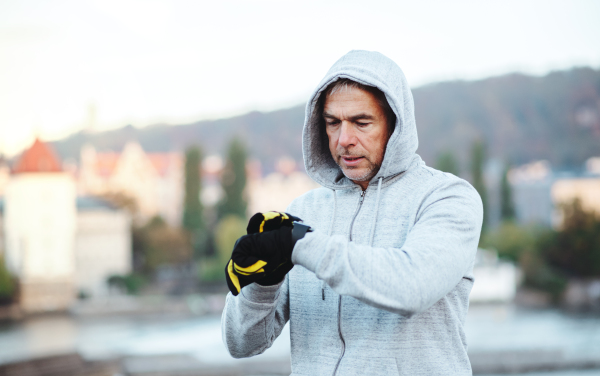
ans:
x=268 y=221
x=264 y=255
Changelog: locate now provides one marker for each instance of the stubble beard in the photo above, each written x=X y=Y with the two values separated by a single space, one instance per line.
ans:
x=371 y=170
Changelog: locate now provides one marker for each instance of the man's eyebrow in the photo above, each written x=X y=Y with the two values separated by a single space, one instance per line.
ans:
x=361 y=116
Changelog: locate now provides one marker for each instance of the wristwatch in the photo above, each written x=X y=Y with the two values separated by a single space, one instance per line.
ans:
x=299 y=230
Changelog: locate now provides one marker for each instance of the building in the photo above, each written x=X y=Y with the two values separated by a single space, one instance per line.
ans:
x=55 y=247
x=102 y=245
x=586 y=188
x=539 y=191
x=4 y=174
x=278 y=189
x=531 y=185
x=39 y=228
x=154 y=180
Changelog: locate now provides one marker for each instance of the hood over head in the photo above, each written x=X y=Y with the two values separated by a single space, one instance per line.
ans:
x=372 y=69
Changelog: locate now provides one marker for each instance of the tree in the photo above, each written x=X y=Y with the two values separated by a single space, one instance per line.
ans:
x=227 y=232
x=129 y=283
x=507 y=209
x=156 y=244
x=575 y=248
x=446 y=162
x=124 y=201
x=7 y=284
x=477 y=162
x=573 y=251
x=233 y=181
x=511 y=240
x=193 y=220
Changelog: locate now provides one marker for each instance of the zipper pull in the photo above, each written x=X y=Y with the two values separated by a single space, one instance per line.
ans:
x=323 y=292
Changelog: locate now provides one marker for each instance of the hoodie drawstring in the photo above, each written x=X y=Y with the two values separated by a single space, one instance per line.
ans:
x=329 y=234
x=333 y=216
x=372 y=236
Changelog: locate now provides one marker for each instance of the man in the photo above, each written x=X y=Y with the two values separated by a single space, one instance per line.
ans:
x=381 y=286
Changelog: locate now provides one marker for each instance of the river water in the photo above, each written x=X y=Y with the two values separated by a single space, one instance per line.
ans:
x=488 y=328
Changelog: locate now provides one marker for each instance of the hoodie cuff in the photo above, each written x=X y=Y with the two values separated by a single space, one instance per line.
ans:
x=308 y=251
x=261 y=294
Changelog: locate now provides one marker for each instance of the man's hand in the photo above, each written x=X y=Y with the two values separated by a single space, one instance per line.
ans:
x=268 y=221
x=264 y=255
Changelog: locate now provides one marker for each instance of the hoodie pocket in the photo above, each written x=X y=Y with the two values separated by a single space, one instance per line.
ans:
x=368 y=366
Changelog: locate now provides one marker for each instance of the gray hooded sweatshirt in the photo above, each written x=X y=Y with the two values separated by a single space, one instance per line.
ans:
x=381 y=287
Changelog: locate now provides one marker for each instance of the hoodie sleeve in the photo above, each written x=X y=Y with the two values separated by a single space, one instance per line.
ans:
x=251 y=321
x=437 y=253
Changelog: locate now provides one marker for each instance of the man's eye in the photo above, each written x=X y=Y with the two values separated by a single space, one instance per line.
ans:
x=332 y=123
x=362 y=124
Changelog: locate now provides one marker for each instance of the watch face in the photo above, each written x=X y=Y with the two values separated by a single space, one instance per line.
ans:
x=298 y=231
x=301 y=223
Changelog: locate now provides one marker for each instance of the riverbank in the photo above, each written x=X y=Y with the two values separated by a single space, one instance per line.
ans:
x=502 y=339
x=514 y=363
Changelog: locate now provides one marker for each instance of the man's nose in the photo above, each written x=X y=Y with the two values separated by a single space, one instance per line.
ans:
x=347 y=135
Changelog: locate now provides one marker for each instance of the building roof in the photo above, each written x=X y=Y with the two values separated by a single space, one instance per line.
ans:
x=106 y=162
x=162 y=162
x=38 y=158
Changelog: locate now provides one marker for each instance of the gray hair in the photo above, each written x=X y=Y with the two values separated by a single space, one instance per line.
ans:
x=345 y=84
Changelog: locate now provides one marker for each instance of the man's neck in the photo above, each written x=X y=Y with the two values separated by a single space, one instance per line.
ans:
x=362 y=184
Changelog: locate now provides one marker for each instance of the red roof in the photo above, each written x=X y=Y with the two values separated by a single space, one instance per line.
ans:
x=162 y=162
x=106 y=163
x=38 y=158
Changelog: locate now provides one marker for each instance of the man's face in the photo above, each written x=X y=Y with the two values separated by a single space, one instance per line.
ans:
x=357 y=130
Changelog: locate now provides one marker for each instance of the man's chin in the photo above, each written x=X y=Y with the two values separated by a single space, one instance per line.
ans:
x=356 y=174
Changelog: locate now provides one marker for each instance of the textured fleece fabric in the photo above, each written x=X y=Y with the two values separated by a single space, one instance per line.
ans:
x=379 y=288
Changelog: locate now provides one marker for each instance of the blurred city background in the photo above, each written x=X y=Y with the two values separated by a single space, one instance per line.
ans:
x=137 y=137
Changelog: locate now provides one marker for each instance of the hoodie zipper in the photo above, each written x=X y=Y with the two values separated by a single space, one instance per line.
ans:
x=360 y=202
x=362 y=198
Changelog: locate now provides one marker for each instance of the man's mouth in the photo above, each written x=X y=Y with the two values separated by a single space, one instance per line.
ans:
x=351 y=160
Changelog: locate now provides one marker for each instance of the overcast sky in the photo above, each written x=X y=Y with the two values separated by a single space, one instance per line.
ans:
x=141 y=62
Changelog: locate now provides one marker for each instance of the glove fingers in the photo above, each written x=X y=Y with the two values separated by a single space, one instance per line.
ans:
x=254 y=223
x=269 y=221
x=289 y=221
x=272 y=221
x=273 y=224
x=293 y=218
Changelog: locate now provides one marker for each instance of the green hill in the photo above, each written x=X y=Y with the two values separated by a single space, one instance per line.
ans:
x=522 y=118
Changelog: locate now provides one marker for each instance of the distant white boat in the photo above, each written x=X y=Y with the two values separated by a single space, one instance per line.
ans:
x=496 y=281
